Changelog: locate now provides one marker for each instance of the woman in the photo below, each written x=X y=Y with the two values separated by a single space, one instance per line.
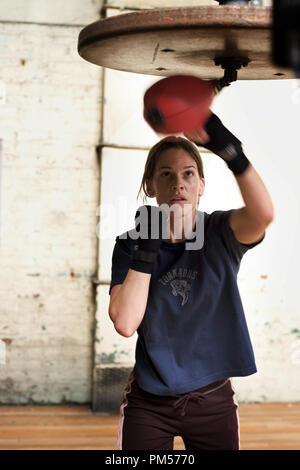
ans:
x=184 y=303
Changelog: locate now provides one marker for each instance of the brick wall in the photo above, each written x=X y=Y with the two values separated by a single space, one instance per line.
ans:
x=50 y=127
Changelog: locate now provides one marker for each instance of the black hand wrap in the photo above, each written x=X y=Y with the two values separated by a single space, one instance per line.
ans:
x=224 y=144
x=150 y=221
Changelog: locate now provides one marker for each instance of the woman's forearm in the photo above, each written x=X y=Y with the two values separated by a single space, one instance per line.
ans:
x=128 y=308
x=257 y=199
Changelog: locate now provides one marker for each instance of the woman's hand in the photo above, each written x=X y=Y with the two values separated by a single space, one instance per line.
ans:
x=150 y=224
x=221 y=142
x=198 y=137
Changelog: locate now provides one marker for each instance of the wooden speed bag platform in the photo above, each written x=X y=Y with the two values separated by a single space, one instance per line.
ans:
x=199 y=41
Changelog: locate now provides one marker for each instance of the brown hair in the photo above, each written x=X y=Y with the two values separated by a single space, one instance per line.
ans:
x=161 y=146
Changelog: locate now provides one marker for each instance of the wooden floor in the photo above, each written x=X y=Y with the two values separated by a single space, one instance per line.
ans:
x=262 y=426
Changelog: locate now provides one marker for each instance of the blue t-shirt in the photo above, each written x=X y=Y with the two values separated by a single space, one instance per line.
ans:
x=194 y=330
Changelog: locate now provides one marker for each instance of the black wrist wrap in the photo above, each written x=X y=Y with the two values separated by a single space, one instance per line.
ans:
x=143 y=261
x=239 y=164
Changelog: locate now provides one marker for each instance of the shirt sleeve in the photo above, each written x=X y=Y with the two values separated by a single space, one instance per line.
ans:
x=121 y=261
x=234 y=247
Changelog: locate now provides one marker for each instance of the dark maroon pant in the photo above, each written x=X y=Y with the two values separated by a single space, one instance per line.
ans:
x=206 y=418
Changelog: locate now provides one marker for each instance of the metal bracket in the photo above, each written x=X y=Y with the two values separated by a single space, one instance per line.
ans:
x=231 y=65
x=254 y=3
x=233 y=2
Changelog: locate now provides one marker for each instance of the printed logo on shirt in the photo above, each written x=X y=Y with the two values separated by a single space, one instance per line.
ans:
x=179 y=287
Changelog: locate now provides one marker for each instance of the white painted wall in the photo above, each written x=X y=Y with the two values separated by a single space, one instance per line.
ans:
x=125 y=4
x=50 y=126
x=70 y=12
x=265 y=116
